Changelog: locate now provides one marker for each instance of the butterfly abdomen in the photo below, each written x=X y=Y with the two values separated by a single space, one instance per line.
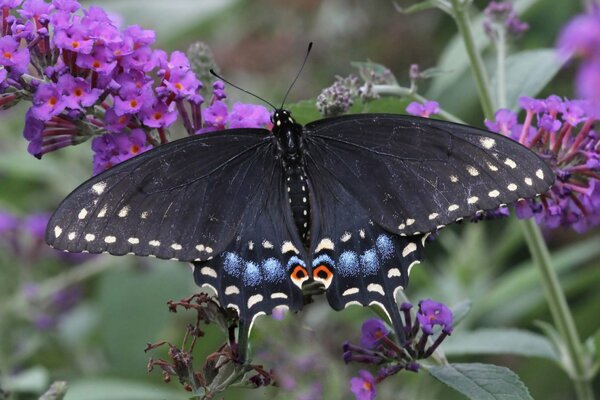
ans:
x=297 y=188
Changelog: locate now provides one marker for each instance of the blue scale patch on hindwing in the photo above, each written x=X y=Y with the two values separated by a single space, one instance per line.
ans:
x=323 y=259
x=348 y=264
x=273 y=270
x=385 y=246
x=252 y=275
x=232 y=264
x=369 y=262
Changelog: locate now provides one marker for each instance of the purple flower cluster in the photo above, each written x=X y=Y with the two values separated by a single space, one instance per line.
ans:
x=561 y=131
x=423 y=110
x=378 y=348
x=22 y=239
x=581 y=37
x=86 y=78
x=501 y=15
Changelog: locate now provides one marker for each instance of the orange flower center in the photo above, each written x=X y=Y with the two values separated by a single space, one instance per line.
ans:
x=75 y=45
x=78 y=92
x=157 y=115
x=52 y=101
x=8 y=55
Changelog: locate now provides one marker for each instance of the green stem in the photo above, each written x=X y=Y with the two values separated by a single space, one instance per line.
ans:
x=482 y=82
x=395 y=90
x=501 y=66
x=560 y=310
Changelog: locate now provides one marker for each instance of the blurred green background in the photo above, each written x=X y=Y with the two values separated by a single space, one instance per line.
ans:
x=118 y=305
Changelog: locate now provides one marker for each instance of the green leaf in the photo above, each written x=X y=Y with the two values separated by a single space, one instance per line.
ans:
x=460 y=311
x=527 y=73
x=32 y=380
x=482 y=381
x=378 y=69
x=420 y=6
x=305 y=111
x=116 y=389
x=500 y=341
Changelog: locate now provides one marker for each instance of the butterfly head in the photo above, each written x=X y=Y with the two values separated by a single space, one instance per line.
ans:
x=282 y=118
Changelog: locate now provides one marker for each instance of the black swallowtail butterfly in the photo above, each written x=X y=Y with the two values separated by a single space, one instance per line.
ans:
x=344 y=201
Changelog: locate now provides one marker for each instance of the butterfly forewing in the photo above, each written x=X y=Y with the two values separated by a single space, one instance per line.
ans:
x=415 y=174
x=182 y=200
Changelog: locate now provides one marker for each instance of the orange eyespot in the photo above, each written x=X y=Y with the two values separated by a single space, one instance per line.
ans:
x=323 y=274
x=299 y=275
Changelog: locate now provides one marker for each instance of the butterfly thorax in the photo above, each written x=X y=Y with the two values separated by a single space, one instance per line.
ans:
x=288 y=137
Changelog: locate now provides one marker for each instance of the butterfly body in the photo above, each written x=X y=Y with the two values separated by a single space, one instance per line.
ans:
x=346 y=202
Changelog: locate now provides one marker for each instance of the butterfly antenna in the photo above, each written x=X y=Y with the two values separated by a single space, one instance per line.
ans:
x=297 y=75
x=239 y=88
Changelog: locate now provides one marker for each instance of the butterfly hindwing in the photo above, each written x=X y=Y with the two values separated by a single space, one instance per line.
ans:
x=253 y=273
x=358 y=261
x=182 y=200
x=415 y=174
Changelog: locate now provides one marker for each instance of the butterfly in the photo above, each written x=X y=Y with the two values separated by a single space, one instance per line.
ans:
x=345 y=202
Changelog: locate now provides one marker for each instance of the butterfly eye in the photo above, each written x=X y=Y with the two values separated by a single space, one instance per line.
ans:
x=323 y=274
x=299 y=275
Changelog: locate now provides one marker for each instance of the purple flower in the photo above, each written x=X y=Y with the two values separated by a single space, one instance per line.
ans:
x=69 y=6
x=100 y=60
x=180 y=84
x=423 y=110
x=75 y=38
x=77 y=93
x=36 y=9
x=432 y=313
x=47 y=102
x=561 y=132
x=363 y=386
x=581 y=36
x=36 y=224
x=373 y=330
x=215 y=116
x=10 y=3
x=12 y=57
x=501 y=15
x=248 y=116
x=131 y=99
x=158 y=115
x=8 y=222
x=505 y=120
x=111 y=149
